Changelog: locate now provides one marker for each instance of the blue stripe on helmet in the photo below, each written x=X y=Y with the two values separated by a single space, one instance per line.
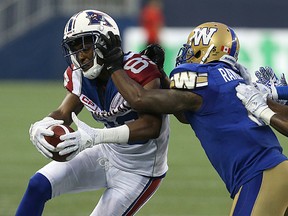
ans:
x=70 y=24
x=234 y=42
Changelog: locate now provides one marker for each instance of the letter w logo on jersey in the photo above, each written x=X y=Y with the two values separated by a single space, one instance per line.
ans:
x=189 y=80
x=205 y=34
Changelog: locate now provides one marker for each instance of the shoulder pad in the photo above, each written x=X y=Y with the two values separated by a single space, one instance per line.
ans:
x=188 y=80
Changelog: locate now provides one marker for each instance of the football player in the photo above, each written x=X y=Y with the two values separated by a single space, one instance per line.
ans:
x=244 y=151
x=128 y=157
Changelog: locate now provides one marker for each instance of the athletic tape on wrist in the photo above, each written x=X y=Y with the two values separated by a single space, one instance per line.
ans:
x=116 y=135
x=266 y=115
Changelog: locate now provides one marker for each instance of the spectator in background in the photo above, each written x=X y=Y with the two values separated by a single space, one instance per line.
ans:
x=152 y=20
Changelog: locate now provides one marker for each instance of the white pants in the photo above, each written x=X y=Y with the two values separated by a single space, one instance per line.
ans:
x=125 y=192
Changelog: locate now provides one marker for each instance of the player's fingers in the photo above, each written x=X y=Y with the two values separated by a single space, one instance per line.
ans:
x=55 y=122
x=102 y=49
x=74 y=118
x=44 y=151
x=118 y=40
x=68 y=150
x=106 y=40
x=45 y=132
x=112 y=38
x=43 y=143
x=65 y=144
x=241 y=97
x=68 y=136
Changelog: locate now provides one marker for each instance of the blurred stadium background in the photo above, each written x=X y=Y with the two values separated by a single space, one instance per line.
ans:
x=31 y=86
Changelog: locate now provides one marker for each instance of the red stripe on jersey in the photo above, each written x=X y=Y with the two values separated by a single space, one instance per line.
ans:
x=68 y=84
x=146 y=194
x=141 y=69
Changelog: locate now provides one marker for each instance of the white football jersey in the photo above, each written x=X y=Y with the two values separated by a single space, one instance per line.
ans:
x=149 y=157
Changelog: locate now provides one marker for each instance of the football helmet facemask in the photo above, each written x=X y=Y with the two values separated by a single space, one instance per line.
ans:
x=81 y=34
x=211 y=41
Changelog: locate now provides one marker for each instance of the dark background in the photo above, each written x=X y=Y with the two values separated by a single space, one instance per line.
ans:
x=38 y=54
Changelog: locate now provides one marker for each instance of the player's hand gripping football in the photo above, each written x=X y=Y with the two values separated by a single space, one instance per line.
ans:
x=112 y=52
x=77 y=141
x=40 y=129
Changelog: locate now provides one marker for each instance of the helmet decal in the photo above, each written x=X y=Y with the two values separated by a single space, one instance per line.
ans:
x=205 y=34
x=97 y=19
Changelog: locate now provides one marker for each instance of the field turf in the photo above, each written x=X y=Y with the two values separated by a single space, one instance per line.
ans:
x=191 y=187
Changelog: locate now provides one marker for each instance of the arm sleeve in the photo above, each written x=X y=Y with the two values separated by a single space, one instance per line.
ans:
x=282 y=92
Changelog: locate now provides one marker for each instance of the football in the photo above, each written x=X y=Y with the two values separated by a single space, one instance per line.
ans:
x=55 y=140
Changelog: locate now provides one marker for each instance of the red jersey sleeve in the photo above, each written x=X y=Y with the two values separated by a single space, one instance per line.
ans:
x=140 y=68
x=68 y=84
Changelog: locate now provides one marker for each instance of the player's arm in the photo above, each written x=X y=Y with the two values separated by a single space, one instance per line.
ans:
x=147 y=126
x=168 y=101
x=71 y=103
x=279 y=120
x=271 y=112
x=156 y=100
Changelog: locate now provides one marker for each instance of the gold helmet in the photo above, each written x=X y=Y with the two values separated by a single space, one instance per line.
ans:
x=211 y=41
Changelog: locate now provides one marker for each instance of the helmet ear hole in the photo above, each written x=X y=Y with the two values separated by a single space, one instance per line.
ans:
x=198 y=54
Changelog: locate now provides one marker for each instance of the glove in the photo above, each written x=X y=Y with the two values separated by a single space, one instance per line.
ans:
x=156 y=53
x=283 y=81
x=112 y=52
x=77 y=141
x=37 y=132
x=267 y=77
x=244 y=73
x=263 y=89
x=254 y=101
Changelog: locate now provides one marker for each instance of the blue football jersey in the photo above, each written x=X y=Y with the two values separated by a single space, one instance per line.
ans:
x=237 y=147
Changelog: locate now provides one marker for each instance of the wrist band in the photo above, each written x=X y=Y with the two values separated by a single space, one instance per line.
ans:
x=115 y=135
x=266 y=115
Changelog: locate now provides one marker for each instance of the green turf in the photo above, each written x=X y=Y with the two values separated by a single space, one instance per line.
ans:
x=191 y=187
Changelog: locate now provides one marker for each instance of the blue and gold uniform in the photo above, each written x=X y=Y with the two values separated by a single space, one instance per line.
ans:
x=237 y=147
